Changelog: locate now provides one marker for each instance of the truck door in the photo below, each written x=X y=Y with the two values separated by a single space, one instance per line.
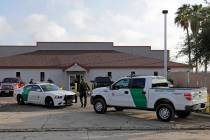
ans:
x=137 y=90
x=120 y=94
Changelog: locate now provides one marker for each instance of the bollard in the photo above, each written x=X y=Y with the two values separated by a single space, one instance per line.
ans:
x=208 y=108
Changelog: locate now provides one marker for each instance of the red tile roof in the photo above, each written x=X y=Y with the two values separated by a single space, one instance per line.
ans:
x=87 y=59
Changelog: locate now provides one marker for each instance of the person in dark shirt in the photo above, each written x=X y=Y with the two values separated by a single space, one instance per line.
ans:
x=31 y=81
x=50 y=80
x=83 y=88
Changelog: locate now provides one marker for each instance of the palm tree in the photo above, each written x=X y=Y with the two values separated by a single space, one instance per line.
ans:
x=182 y=19
x=203 y=38
x=195 y=23
x=204 y=44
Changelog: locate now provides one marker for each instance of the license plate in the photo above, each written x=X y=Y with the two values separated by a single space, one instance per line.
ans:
x=7 y=91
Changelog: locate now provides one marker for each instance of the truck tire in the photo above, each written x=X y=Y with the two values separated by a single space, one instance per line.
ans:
x=100 y=106
x=183 y=114
x=20 y=100
x=118 y=108
x=165 y=112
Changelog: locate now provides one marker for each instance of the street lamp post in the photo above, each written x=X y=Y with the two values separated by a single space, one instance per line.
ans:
x=165 y=12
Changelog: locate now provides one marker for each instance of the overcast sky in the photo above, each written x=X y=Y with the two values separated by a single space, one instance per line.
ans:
x=124 y=22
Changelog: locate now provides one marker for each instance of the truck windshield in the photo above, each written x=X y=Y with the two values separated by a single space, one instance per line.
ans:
x=10 y=80
x=49 y=87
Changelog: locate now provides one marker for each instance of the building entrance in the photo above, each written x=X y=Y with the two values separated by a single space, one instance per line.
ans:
x=74 y=80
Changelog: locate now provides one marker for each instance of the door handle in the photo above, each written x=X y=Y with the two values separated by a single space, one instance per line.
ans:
x=126 y=92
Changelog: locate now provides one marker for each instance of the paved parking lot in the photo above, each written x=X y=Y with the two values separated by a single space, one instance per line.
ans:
x=15 y=117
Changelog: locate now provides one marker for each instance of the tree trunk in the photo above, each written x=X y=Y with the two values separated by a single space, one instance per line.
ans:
x=206 y=65
x=196 y=65
x=189 y=49
x=206 y=69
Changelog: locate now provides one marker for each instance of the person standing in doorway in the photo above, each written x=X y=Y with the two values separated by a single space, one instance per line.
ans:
x=83 y=88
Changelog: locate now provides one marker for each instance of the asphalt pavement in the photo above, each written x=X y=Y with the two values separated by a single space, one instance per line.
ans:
x=33 y=118
x=108 y=135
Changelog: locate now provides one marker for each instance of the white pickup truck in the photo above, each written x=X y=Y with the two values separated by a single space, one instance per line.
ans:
x=149 y=93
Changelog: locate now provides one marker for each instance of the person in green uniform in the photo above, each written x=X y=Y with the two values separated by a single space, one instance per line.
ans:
x=83 y=89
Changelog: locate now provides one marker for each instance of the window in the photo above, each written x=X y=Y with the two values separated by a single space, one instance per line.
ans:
x=160 y=85
x=10 y=80
x=155 y=73
x=36 y=88
x=138 y=83
x=50 y=87
x=121 y=84
x=29 y=87
x=18 y=74
x=42 y=78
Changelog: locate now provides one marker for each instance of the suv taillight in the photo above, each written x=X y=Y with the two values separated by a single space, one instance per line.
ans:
x=188 y=96
x=19 y=85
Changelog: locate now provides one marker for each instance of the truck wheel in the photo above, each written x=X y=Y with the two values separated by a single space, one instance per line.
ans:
x=118 y=108
x=49 y=102
x=100 y=106
x=20 y=100
x=165 y=112
x=183 y=114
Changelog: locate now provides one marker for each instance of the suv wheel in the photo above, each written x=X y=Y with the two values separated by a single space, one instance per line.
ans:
x=100 y=106
x=165 y=112
x=183 y=114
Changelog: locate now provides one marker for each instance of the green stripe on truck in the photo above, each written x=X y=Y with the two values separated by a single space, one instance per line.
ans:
x=139 y=99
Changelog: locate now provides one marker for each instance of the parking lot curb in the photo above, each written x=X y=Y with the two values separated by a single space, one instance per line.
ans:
x=101 y=129
x=201 y=114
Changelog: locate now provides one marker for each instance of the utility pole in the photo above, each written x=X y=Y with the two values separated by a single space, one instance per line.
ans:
x=165 y=12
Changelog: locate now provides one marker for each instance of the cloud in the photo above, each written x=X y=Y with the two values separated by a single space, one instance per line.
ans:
x=5 y=27
x=43 y=29
x=132 y=22
x=79 y=18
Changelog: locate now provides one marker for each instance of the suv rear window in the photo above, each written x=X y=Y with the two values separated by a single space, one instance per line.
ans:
x=10 y=80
